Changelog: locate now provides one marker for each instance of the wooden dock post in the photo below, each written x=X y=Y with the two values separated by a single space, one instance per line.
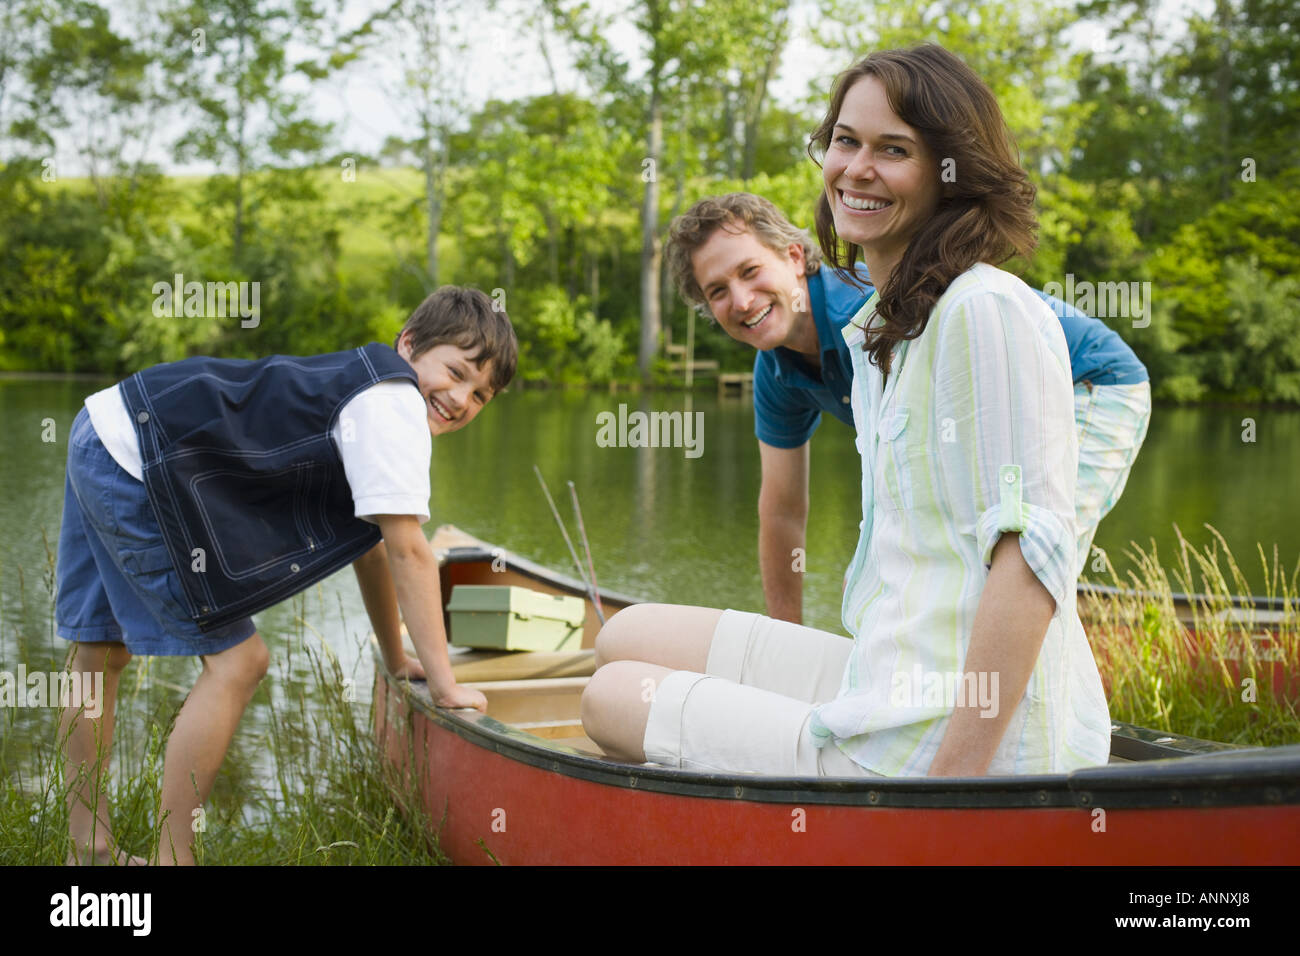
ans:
x=735 y=384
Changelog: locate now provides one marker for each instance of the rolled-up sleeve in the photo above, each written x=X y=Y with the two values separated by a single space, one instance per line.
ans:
x=1004 y=404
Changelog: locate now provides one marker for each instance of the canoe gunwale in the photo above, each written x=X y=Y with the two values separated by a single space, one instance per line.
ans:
x=471 y=554
x=1247 y=777
x=1168 y=771
x=480 y=554
x=1248 y=602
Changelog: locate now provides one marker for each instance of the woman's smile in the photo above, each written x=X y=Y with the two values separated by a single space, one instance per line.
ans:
x=880 y=177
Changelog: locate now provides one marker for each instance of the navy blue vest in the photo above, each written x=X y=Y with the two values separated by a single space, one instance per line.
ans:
x=238 y=462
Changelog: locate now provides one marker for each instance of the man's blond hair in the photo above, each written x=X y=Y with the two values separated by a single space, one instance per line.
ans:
x=734 y=211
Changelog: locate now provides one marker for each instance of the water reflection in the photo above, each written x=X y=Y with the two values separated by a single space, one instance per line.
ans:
x=661 y=525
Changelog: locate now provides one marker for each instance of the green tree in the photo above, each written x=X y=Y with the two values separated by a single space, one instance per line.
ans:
x=231 y=69
x=688 y=47
x=1013 y=45
x=429 y=42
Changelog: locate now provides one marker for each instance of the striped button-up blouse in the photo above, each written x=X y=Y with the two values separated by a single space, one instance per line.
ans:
x=972 y=434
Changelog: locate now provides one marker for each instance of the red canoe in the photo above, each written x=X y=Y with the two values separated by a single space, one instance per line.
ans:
x=523 y=785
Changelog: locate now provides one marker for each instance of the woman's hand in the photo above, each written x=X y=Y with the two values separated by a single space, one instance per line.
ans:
x=1010 y=623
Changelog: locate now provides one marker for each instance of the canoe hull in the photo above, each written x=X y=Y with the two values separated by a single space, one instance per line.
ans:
x=495 y=808
x=535 y=791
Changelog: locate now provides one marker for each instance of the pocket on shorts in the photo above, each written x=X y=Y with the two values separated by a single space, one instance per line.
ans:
x=153 y=573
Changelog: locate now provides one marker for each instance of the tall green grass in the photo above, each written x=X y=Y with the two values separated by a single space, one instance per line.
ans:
x=1223 y=675
x=334 y=800
x=325 y=795
x=322 y=795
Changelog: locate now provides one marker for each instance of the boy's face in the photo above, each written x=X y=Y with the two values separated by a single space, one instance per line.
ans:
x=758 y=295
x=454 y=388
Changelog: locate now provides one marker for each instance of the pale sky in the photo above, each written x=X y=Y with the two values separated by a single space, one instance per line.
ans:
x=504 y=62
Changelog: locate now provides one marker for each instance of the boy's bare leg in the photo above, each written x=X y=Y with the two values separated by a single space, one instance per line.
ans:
x=199 y=740
x=89 y=742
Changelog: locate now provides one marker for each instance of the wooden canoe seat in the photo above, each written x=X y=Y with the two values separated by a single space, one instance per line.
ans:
x=545 y=700
x=472 y=665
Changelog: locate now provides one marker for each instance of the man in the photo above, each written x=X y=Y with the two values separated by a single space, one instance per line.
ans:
x=761 y=278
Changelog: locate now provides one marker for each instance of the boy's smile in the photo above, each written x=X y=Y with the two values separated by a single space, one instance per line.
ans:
x=455 y=389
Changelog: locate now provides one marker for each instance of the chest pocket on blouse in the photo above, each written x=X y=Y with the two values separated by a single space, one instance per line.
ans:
x=894 y=460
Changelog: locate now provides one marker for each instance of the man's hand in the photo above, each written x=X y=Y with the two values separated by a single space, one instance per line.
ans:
x=782 y=525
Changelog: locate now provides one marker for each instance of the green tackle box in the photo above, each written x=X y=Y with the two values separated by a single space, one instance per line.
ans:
x=515 y=619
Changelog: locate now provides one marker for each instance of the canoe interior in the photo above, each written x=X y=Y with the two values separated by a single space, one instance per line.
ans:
x=539 y=693
x=523 y=784
x=492 y=566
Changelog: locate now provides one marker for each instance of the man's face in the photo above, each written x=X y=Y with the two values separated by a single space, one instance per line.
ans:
x=758 y=296
x=454 y=388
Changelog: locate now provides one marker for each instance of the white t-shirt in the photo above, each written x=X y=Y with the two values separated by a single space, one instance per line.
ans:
x=382 y=436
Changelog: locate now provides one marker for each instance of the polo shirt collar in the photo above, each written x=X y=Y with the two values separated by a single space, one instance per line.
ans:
x=789 y=366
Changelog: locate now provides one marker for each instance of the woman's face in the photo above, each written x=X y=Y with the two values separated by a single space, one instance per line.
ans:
x=881 y=180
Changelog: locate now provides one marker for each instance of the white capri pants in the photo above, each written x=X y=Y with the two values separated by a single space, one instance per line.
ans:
x=750 y=712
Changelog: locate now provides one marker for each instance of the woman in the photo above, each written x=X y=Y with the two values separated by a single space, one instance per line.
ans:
x=968 y=655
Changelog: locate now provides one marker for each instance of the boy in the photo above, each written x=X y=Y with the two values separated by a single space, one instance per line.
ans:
x=202 y=491
x=761 y=278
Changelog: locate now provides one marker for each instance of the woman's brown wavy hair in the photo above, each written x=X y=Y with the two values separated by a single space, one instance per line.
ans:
x=985 y=215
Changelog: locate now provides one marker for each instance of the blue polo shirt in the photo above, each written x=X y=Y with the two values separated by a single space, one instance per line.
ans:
x=790 y=395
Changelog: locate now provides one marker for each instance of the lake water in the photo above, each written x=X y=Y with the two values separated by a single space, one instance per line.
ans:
x=662 y=524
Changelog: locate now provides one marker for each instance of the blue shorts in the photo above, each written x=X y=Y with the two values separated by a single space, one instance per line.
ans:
x=115 y=577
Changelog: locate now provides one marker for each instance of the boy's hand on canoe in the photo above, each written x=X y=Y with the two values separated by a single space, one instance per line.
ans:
x=459 y=696
x=410 y=668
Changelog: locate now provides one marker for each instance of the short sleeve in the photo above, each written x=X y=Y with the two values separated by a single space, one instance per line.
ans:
x=1007 y=451
x=383 y=438
x=783 y=417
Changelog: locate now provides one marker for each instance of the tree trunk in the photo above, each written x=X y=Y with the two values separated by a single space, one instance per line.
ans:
x=572 y=275
x=666 y=295
x=754 y=98
x=728 y=127
x=241 y=156
x=650 y=252
x=507 y=262
x=433 y=207
x=1223 y=97
x=552 y=246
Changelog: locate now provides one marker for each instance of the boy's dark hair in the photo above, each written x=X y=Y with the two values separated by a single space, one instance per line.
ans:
x=467 y=319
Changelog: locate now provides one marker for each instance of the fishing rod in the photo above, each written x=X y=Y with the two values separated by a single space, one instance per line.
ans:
x=582 y=575
x=582 y=531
